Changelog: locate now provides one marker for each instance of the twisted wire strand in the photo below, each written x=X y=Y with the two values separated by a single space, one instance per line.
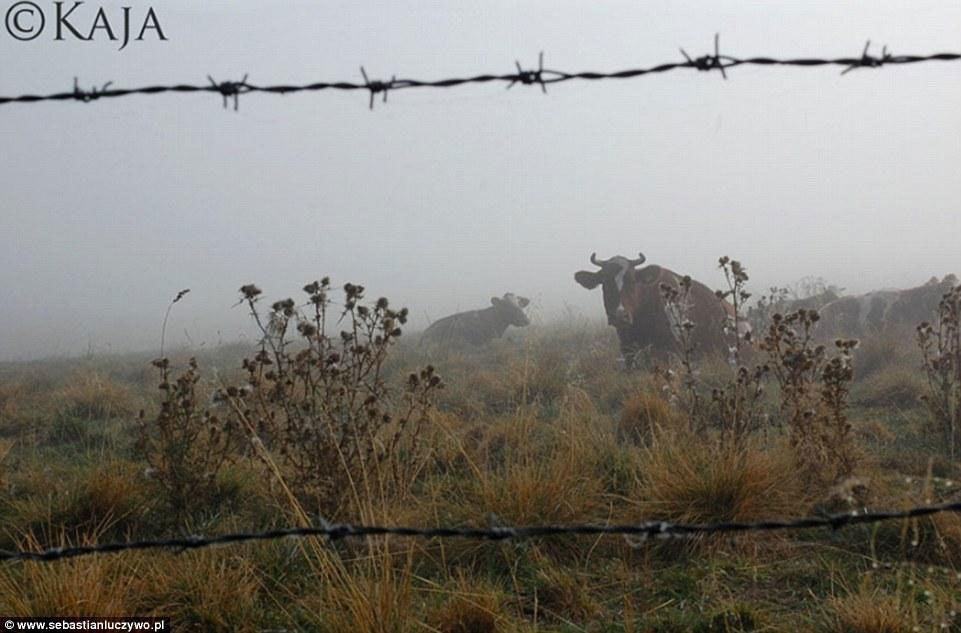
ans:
x=644 y=530
x=540 y=76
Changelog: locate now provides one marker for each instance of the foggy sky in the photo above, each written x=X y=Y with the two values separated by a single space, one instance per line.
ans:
x=440 y=199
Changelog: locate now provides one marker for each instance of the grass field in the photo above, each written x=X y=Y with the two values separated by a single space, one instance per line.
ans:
x=541 y=427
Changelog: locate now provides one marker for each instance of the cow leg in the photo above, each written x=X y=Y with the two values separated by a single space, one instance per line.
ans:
x=631 y=354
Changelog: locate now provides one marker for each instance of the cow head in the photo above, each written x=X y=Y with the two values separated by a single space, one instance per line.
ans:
x=611 y=278
x=511 y=309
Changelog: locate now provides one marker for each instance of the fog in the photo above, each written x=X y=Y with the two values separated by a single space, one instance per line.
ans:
x=440 y=199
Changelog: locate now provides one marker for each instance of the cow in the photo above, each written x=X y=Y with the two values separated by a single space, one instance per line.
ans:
x=478 y=327
x=759 y=315
x=883 y=310
x=637 y=309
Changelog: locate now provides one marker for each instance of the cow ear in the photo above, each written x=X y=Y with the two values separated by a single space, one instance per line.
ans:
x=587 y=279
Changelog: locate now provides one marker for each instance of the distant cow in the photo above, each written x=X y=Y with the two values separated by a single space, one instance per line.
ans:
x=759 y=315
x=813 y=302
x=636 y=307
x=884 y=310
x=478 y=327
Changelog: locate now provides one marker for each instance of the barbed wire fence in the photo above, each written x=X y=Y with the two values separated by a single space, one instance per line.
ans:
x=231 y=90
x=642 y=531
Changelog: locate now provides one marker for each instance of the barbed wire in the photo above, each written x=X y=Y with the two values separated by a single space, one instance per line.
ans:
x=645 y=530
x=539 y=76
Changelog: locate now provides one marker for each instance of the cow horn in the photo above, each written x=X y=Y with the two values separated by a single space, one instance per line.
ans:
x=640 y=260
x=597 y=262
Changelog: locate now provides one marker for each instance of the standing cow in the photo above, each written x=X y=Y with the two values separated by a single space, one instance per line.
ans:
x=478 y=327
x=636 y=307
x=883 y=310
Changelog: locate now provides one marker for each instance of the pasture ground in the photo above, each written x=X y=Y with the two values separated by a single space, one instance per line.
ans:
x=541 y=427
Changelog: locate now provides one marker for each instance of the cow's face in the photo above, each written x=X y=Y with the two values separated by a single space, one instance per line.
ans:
x=511 y=308
x=612 y=276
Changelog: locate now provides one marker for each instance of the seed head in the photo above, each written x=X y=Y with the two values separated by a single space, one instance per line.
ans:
x=250 y=291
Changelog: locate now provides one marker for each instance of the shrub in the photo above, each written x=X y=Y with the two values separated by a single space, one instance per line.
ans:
x=185 y=445
x=323 y=402
x=736 y=402
x=941 y=347
x=814 y=389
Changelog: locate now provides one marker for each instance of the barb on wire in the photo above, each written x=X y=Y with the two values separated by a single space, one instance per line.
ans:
x=708 y=62
x=377 y=86
x=869 y=61
x=229 y=89
x=643 y=530
x=87 y=96
x=540 y=76
x=528 y=77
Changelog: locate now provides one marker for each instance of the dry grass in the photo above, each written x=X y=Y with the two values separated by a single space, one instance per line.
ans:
x=203 y=591
x=107 y=498
x=893 y=386
x=870 y=611
x=5 y=446
x=543 y=428
x=684 y=478
x=645 y=416
x=469 y=607
x=374 y=595
x=92 y=586
x=528 y=473
x=565 y=595
x=91 y=395
x=884 y=351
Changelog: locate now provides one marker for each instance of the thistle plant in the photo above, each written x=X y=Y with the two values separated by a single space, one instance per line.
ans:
x=940 y=345
x=814 y=387
x=737 y=295
x=736 y=408
x=316 y=393
x=185 y=445
x=739 y=404
x=677 y=300
x=760 y=314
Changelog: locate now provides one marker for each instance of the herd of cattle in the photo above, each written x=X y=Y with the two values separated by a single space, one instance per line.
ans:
x=636 y=307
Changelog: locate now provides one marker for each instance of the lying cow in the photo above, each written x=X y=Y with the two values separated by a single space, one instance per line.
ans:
x=478 y=327
x=884 y=310
x=636 y=307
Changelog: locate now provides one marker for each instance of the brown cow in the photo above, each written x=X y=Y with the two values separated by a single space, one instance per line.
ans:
x=636 y=308
x=884 y=310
